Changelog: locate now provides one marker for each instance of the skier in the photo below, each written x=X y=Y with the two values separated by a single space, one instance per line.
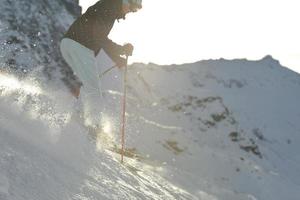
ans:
x=88 y=51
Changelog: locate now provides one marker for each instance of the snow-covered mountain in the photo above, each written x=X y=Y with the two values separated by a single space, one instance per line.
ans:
x=211 y=130
x=228 y=128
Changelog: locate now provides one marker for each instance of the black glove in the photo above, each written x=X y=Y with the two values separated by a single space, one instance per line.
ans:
x=128 y=49
x=121 y=62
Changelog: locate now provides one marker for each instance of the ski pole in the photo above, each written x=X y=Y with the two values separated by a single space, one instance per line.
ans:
x=106 y=71
x=123 y=111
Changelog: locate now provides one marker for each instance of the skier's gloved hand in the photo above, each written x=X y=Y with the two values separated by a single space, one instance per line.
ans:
x=128 y=49
x=121 y=62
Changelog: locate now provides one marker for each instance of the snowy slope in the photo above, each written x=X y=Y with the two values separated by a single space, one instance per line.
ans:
x=214 y=129
x=45 y=153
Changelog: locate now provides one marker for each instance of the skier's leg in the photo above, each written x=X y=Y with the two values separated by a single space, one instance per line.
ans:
x=112 y=79
x=111 y=87
x=82 y=61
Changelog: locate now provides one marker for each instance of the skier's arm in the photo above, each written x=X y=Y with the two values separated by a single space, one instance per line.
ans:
x=112 y=48
x=114 y=51
x=106 y=10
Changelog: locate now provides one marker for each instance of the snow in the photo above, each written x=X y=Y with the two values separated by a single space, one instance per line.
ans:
x=48 y=155
x=215 y=129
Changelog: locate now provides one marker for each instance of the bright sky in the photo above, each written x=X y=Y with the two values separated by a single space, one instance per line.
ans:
x=180 y=31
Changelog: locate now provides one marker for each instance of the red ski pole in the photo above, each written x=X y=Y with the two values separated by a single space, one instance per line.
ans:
x=123 y=111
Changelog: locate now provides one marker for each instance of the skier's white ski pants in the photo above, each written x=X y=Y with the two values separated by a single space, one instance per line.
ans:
x=88 y=68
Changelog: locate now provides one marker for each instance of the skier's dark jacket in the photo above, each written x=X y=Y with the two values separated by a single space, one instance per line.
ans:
x=92 y=28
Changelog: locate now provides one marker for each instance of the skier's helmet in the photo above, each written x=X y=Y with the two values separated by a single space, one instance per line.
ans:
x=134 y=5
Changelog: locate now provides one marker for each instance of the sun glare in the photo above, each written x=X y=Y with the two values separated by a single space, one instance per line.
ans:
x=106 y=138
x=176 y=31
x=10 y=84
x=107 y=127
